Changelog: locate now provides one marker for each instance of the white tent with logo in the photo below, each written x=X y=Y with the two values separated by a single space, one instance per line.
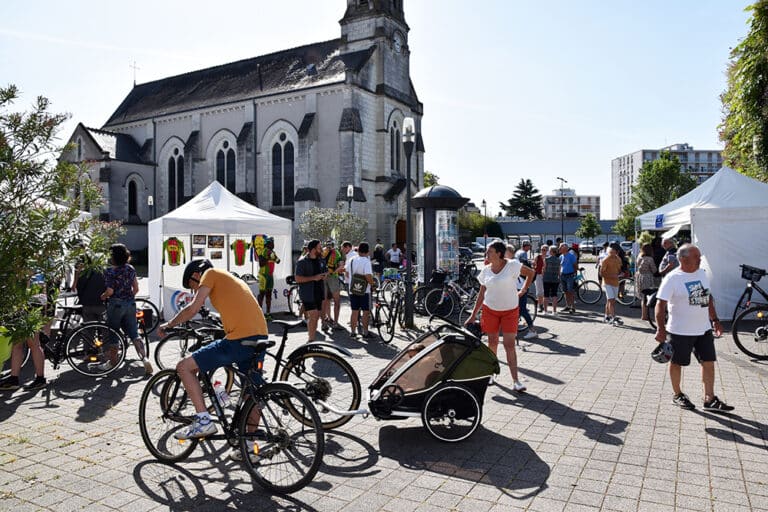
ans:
x=727 y=216
x=217 y=225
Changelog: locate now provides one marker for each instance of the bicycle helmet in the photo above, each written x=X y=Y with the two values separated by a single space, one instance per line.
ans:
x=663 y=353
x=475 y=329
x=192 y=267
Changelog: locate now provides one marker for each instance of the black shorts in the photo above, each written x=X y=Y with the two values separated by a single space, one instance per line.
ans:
x=550 y=289
x=359 y=302
x=312 y=306
x=703 y=346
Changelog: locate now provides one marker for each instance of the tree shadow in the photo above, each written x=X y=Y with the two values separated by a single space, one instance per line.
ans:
x=600 y=431
x=487 y=457
x=178 y=489
x=99 y=395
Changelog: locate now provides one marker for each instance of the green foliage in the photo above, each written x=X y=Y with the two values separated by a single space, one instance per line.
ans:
x=661 y=181
x=325 y=223
x=477 y=224
x=625 y=224
x=744 y=127
x=38 y=211
x=645 y=238
x=525 y=202
x=589 y=227
x=430 y=179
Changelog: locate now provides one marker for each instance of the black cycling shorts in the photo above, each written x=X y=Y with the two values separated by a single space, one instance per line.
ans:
x=703 y=346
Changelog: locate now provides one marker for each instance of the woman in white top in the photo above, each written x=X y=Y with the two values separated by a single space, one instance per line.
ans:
x=498 y=298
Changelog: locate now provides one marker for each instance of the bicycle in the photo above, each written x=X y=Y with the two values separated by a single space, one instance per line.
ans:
x=750 y=331
x=319 y=369
x=588 y=291
x=282 y=456
x=442 y=301
x=752 y=275
x=151 y=323
x=295 y=306
x=386 y=315
x=627 y=295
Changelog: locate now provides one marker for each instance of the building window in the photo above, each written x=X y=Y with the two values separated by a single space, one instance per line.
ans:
x=175 y=179
x=397 y=151
x=132 y=198
x=282 y=172
x=226 y=166
x=391 y=148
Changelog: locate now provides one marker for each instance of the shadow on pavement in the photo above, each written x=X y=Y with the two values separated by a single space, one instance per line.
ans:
x=600 y=431
x=99 y=395
x=488 y=457
x=735 y=423
x=348 y=456
x=540 y=376
x=551 y=345
x=179 y=489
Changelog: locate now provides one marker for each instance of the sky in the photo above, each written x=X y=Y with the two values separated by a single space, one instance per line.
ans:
x=511 y=89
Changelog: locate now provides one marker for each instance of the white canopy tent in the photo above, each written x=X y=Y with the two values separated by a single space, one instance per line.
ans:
x=217 y=225
x=727 y=215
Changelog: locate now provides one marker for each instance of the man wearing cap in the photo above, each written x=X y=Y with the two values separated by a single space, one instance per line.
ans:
x=334 y=261
x=310 y=276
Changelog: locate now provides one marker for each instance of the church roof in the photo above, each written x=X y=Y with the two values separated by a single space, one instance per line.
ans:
x=297 y=68
x=117 y=146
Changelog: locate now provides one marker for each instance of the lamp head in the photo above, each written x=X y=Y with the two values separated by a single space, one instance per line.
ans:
x=409 y=130
x=350 y=192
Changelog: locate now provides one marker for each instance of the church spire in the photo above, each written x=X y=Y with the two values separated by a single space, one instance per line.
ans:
x=366 y=19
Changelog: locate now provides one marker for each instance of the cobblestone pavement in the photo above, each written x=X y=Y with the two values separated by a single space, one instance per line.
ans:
x=595 y=431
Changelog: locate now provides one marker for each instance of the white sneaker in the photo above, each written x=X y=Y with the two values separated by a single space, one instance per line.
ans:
x=519 y=386
x=530 y=334
x=148 y=367
x=105 y=366
x=198 y=428
x=492 y=380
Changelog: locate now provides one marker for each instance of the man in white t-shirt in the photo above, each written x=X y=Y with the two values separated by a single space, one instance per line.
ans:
x=360 y=265
x=685 y=293
x=394 y=256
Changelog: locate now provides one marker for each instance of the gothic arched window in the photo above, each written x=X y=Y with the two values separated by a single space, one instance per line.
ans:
x=282 y=172
x=226 y=166
x=397 y=151
x=175 y=179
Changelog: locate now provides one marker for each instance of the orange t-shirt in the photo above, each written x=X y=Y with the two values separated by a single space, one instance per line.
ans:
x=240 y=312
x=610 y=268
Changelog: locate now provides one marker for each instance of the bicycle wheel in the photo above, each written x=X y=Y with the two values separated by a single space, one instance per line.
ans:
x=165 y=409
x=439 y=303
x=328 y=377
x=155 y=320
x=419 y=294
x=560 y=294
x=388 y=290
x=386 y=331
x=91 y=345
x=294 y=302
x=626 y=294
x=750 y=332
x=589 y=292
x=451 y=413
x=285 y=454
x=741 y=304
x=532 y=309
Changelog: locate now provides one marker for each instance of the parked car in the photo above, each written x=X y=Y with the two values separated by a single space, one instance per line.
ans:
x=587 y=246
x=626 y=245
x=477 y=247
x=465 y=253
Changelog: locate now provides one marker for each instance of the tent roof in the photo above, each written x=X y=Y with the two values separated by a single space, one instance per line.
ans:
x=216 y=210
x=726 y=188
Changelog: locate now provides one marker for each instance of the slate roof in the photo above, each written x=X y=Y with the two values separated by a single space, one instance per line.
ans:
x=298 y=68
x=118 y=146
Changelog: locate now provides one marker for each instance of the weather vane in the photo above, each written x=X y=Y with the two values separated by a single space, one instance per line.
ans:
x=134 y=67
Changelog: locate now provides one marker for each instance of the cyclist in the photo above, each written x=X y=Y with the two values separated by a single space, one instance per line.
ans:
x=242 y=319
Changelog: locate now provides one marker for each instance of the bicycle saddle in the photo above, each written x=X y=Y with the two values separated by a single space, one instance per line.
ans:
x=76 y=307
x=258 y=344
x=289 y=324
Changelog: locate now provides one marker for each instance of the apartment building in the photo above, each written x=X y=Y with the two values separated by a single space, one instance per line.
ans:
x=573 y=205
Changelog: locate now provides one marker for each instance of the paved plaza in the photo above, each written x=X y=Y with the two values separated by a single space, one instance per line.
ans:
x=595 y=431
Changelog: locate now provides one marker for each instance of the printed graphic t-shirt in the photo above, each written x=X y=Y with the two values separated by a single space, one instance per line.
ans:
x=240 y=312
x=687 y=295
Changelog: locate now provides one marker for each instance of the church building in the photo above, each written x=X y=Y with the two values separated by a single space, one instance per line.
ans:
x=287 y=132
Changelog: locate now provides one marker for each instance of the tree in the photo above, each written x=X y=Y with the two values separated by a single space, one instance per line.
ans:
x=661 y=181
x=589 y=227
x=477 y=225
x=38 y=208
x=625 y=224
x=430 y=179
x=525 y=202
x=325 y=223
x=744 y=127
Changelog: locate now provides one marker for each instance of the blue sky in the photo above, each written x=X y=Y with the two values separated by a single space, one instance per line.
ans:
x=511 y=89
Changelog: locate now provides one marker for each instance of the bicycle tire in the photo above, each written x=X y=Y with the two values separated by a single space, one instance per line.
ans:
x=327 y=376
x=750 y=332
x=388 y=290
x=419 y=294
x=626 y=295
x=741 y=304
x=164 y=409
x=175 y=347
x=294 y=302
x=142 y=303
x=530 y=306
x=382 y=324
x=288 y=447
x=589 y=292
x=436 y=304
x=85 y=348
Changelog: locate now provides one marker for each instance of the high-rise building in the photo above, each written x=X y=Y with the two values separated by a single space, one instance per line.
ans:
x=700 y=163
x=574 y=206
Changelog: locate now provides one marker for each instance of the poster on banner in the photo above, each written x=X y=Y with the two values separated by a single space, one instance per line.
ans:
x=420 y=245
x=447 y=239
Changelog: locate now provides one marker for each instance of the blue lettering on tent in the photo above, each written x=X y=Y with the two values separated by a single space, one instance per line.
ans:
x=660 y=221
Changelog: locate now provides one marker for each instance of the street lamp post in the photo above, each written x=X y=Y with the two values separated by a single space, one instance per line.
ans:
x=485 y=224
x=151 y=204
x=562 y=209
x=350 y=196
x=409 y=137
